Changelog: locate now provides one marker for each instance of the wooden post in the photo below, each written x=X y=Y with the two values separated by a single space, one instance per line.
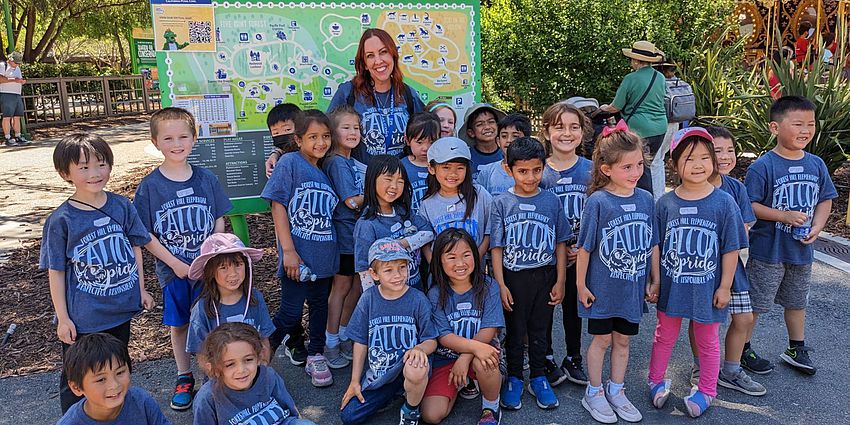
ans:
x=64 y=113
x=107 y=97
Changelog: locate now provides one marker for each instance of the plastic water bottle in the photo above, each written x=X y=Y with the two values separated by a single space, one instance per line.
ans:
x=305 y=274
x=802 y=232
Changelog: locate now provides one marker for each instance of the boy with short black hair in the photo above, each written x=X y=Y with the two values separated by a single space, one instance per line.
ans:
x=392 y=329
x=494 y=176
x=528 y=234
x=281 y=123
x=180 y=205
x=791 y=192
x=98 y=367
x=480 y=130
x=92 y=250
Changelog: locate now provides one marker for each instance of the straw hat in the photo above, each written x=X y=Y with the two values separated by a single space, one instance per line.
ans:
x=644 y=51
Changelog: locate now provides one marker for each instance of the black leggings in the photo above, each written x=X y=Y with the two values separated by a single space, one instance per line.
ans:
x=531 y=316
x=571 y=321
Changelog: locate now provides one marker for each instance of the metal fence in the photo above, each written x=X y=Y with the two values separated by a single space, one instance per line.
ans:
x=50 y=101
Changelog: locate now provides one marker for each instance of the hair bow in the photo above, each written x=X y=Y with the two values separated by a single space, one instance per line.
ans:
x=621 y=126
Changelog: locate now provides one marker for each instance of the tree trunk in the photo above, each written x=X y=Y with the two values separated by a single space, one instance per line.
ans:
x=31 y=28
x=122 y=58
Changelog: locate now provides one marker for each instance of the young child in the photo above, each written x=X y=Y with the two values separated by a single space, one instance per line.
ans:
x=422 y=130
x=447 y=115
x=281 y=123
x=699 y=241
x=392 y=330
x=494 y=176
x=226 y=268
x=98 y=368
x=92 y=251
x=242 y=389
x=567 y=175
x=453 y=200
x=792 y=192
x=731 y=374
x=346 y=175
x=615 y=242
x=387 y=215
x=467 y=313
x=480 y=130
x=180 y=205
x=528 y=232
x=302 y=202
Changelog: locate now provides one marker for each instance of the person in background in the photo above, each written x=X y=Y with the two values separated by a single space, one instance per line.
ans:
x=11 y=102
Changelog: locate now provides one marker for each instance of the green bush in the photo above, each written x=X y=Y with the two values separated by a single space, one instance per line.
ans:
x=52 y=70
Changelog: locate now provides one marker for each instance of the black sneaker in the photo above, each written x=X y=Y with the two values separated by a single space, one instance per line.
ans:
x=798 y=357
x=554 y=374
x=755 y=363
x=297 y=353
x=574 y=370
x=11 y=142
x=21 y=141
x=184 y=392
x=470 y=391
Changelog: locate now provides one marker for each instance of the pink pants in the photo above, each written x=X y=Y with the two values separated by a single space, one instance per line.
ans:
x=708 y=346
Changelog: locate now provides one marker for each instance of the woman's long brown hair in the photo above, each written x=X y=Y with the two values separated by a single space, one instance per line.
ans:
x=362 y=81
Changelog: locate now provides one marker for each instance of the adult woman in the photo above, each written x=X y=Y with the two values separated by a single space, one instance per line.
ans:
x=378 y=93
x=640 y=98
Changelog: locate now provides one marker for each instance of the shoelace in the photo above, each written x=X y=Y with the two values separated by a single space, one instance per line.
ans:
x=182 y=388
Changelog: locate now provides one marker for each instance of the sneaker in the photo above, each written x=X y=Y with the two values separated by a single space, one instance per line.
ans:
x=11 y=142
x=490 y=417
x=798 y=357
x=184 y=392
x=297 y=354
x=755 y=363
x=554 y=374
x=335 y=358
x=346 y=348
x=742 y=382
x=697 y=403
x=623 y=407
x=659 y=393
x=21 y=141
x=541 y=390
x=408 y=418
x=470 y=391
x=695 y=374
x=511 y=397
x=599 y=408
x=317 y=368
x=574 y=370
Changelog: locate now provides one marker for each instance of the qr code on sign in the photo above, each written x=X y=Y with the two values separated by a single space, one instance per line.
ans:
x=199 y=32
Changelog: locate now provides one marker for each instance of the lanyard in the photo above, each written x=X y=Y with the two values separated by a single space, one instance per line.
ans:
x=388 y=119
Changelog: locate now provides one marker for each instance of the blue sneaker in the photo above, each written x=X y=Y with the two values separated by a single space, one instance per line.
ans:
x=540 y=389
x=184 y=392
x=511 y=398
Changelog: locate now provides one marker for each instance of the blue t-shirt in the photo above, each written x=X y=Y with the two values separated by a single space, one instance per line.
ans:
x=528 y=228
x=310 y=200
x=738 y=191
x=200 y=324
x=418 y=177
x=266 y=402
x=388 y=328
x=139 y=409
x=376 y=121
x=95 y=250
x=346 y=175
x=366 y=232
x=444 y=213
x=618 y=233
x=480 y=159
x=462 y=316
x=694 y=237
x=571 y=187
x=494 y=178
x=180 y=214
x=785 y=185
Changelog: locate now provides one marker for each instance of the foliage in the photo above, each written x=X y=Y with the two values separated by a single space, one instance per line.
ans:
x=714 y=69
x=541 y=51
x=51 y=70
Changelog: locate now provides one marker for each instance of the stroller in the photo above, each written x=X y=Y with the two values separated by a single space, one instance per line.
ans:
x=603 y=119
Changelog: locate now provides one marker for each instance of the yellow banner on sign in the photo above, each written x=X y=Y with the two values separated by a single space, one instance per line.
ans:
x=184 y=28
x=143 y=33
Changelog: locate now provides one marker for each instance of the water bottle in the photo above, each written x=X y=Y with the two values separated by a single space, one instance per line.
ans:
x=305 y=274
x=802 y=232
x=409 y=228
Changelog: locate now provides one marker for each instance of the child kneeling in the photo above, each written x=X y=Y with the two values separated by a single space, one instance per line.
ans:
x=391 y=328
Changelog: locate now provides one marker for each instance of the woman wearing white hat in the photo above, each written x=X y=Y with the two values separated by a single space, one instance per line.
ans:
x=640 y=99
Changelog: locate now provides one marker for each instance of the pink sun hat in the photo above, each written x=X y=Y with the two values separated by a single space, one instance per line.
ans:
x=689 y=132
x=221 y=243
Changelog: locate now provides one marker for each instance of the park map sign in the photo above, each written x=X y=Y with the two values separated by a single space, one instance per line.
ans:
x=231 y=62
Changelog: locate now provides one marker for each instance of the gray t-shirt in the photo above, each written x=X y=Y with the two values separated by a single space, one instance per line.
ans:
x=180 y=214
x=366 y=232
x=201 y=324
x=95 y=250
x=494 y=178
x=444 y=213
x=139 y=409
x=346 y=175
x=571 y=187
x=528 y=228
x=388 y=328
x=618 y=233
x=266 y=402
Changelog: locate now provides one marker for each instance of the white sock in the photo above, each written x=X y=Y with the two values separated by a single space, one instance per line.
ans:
x=342 y=335
x=490 y=404
x=331 y=340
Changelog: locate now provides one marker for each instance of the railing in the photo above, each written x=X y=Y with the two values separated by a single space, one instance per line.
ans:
x=50 y=101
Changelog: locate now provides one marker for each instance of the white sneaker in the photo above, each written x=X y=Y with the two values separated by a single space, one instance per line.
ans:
x=623 y=407
x=599 y=408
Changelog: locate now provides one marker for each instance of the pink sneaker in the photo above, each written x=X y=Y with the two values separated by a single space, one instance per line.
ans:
x=317 y=368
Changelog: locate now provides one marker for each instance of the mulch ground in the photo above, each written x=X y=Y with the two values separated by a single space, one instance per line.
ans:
x=63 y=129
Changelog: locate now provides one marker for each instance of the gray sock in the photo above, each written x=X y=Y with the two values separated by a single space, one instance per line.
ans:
x=731 y=368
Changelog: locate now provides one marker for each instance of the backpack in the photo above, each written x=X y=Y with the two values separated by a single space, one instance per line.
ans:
x=679 y=101
x=408 y=98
